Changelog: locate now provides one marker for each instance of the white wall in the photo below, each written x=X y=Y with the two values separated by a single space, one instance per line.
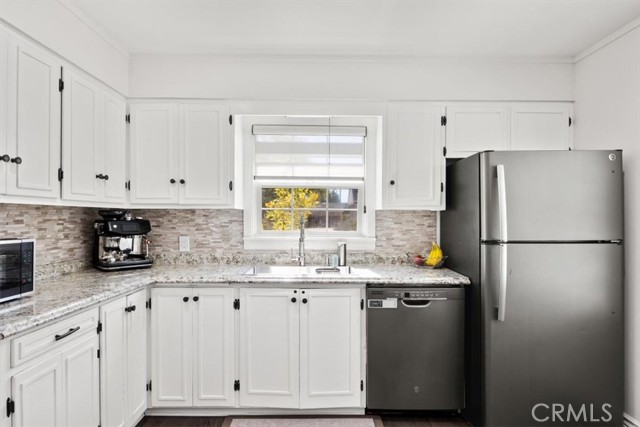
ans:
x=57 y=27
x=205 y=76
x=607 y=113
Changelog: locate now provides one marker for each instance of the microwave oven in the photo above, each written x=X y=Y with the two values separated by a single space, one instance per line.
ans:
x=17 y=268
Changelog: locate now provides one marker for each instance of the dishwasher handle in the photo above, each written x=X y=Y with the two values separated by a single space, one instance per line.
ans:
x=419 y=303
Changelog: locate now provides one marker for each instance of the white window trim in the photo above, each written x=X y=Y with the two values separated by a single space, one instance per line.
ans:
x=364 y=240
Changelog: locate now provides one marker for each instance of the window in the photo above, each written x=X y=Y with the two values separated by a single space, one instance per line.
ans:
x=318 y=169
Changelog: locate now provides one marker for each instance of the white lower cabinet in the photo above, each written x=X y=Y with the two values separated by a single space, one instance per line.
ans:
x=60 y=389
x=300 y=348
x=192 y=347
x=123 y=360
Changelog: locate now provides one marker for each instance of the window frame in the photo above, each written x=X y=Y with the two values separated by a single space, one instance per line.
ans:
x=257 y=239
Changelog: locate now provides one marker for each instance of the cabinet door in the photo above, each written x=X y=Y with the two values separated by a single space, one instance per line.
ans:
x=38 y=396
x=4 y=104
x=471 y=129
x=330 y=348
x=414 y=175
x=113 y=364
x=213 y=350
x=33 y=121
x=82 y=383
x=81 y=156
x=114 y=148
x=269 y=352
x=171 y=352
x=204 y=154
x=136 y=359
x=541 y=127
x=154 y=153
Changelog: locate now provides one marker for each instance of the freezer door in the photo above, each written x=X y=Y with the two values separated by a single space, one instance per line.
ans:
x=561 y=341
x=552 y=195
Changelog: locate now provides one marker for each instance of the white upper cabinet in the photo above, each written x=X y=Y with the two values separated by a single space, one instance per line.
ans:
x=33 y=120
x=180 y=153
x=508 y=126
x=154 y=153
x=541 y=127
x=4 y=104
x=414 y=169
x=470 y=129
x=93 y=141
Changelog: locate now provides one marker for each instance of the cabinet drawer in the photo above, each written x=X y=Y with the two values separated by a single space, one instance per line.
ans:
x=53 y=336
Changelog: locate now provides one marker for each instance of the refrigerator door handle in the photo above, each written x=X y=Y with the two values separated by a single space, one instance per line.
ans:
x=502 y=290
x=502 y=202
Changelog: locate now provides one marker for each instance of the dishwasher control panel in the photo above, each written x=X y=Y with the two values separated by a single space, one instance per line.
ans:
x=408 y=294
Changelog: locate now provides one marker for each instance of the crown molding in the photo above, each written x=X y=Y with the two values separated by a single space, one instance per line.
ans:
x=604 y=42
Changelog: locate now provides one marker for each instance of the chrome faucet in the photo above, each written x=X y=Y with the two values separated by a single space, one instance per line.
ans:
x=301 y=255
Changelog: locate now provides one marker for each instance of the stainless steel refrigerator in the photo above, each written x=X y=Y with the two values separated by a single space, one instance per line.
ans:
x=540 y=235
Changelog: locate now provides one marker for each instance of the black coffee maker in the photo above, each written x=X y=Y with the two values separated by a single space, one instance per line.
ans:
x=120 y=241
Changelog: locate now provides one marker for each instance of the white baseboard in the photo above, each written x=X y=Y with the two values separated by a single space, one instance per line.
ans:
x=630 y=422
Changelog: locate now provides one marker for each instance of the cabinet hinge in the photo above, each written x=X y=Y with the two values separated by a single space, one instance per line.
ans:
x=127 y=118
x=444 y=151
x=236 y=304
x=60 y=85
x=230 y=119
x=149 y=386
x=127 y=185
x=442 y=187
x=230 y=185
x=236 y=385
x=570 y=121
x=364 y=209
x=361 y=385
x=98 y=353
x=60 y=174
x=99 y=328
x=443 y=120
x=361 y=304
x=11 y=406
x=148 y=304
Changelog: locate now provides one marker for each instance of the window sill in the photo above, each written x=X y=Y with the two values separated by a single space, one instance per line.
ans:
x=311 y=243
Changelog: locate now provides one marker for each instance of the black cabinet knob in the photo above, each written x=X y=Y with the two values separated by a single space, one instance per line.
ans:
x=16 y=160
x=100 y=176
x=106 y=177
x=133 y=308
x=293 y=299
x=392 y=182
x=185 y=299
x=196 y=299
x=304 y=300
x=182 y=181
x=5 y=158
x=173 y=181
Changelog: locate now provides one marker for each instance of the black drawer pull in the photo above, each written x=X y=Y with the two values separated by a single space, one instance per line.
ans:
x=66 y=334
x=304 y=300
x=293 y=299
x=185 y=299
x=16 y=160
x=196 y=299
x=5 y=158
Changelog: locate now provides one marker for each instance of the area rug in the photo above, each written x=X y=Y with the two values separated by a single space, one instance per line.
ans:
x=347 y=421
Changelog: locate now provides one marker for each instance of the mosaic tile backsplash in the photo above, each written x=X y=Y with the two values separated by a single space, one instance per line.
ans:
x=65 y=236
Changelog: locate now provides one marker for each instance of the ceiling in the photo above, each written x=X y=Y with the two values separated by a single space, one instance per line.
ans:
x=440 y=28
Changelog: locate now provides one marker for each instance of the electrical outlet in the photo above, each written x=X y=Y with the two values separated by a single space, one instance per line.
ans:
x=184 y=243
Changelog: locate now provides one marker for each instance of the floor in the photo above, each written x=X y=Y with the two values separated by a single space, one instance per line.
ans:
x=435 y=419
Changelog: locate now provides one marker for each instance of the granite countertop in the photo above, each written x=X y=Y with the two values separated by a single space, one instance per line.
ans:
x=57 y=297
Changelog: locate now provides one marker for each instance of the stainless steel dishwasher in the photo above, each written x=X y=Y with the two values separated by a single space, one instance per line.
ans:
x=415 y=348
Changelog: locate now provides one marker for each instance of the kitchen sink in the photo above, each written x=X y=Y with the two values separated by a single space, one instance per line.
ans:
x=297 y=271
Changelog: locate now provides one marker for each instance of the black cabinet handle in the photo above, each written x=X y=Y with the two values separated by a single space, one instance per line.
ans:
x=173 y=181
x=16 y=160
x=185 y=299
x=304 y=300
x=106 y=177
x=182 y=181
x=5 y=158
x=196 y=299
x=100 y=176
x=66 y=334
x=392 y=182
